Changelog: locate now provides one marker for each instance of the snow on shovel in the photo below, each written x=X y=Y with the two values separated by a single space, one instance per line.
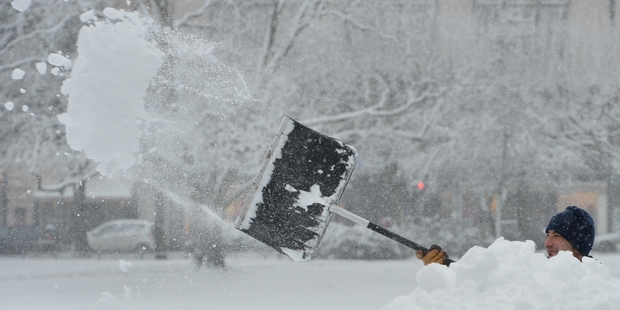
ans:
x=296 y=191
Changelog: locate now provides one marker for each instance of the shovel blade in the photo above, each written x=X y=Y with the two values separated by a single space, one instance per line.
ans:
x=304 y=173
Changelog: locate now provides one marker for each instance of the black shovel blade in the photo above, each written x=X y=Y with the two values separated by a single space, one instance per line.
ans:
x=304 y=173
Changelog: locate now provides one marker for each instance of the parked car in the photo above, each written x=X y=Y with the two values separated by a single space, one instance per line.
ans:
x=122 y=236
x=607 y=242
x=29 y=239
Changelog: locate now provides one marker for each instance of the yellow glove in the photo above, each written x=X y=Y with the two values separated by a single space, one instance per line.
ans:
x=434 y=255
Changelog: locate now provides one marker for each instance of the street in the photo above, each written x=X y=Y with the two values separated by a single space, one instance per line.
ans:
x=250 y=282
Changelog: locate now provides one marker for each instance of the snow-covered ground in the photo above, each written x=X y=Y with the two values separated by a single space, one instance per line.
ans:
x=251 y=282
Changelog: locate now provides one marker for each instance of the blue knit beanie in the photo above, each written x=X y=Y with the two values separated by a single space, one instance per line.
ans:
x=576 y=226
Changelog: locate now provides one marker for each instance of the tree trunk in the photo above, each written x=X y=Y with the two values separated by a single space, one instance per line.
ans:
x=160 y=220
x=80 y=218
x=3 y=199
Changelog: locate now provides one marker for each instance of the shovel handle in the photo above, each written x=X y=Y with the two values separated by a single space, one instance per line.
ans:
x=376 y=228
x=396 y=237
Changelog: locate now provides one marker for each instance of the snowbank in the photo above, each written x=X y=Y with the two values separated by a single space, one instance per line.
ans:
x=510 y=275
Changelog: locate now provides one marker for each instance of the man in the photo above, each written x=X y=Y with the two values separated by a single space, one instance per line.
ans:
x=570 y=230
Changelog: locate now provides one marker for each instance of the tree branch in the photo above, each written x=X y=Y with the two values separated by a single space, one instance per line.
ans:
x=60 y=187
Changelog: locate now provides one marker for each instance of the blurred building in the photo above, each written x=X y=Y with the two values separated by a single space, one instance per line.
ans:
x=22 y=204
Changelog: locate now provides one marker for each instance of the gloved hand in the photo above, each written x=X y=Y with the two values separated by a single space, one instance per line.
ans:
x=434 y=255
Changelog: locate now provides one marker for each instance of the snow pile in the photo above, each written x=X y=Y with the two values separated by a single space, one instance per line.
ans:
x=510 y=275
x=108 y=82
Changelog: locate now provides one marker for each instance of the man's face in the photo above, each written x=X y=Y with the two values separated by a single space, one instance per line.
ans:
x=556 y=243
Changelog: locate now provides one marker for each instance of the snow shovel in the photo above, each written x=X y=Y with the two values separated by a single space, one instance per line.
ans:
x=295 y=194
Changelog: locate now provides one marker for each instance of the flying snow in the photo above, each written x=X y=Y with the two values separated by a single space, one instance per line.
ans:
x=9 y=105
x=117 y=60
x=18 y=74
x=87 y=16
x=21 y=5
x=59 y=60
x=41 y=67
x=108 y=82
x=124 y=265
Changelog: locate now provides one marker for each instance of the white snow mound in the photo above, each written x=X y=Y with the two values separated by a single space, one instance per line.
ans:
x=510 y=275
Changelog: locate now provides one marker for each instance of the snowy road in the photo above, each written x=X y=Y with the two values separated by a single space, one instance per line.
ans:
x=249 y=283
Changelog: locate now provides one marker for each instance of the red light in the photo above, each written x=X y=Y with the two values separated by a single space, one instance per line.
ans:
x=420 y=185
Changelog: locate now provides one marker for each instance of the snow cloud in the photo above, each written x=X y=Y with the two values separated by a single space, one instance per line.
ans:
x=108 y=82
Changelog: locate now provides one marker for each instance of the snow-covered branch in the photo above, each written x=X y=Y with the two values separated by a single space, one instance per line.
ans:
x=60 y=187
x=38 y=33
x=183 y=21
x=301 y=20
x=21 y=62
x=375 y=110
x=350 y=20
